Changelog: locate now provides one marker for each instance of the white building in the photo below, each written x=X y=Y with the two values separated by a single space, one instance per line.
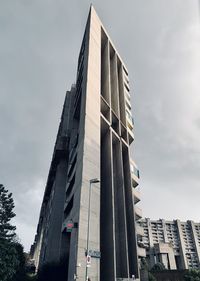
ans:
x=174 y=243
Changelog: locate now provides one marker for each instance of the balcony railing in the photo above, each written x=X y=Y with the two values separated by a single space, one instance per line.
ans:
x=129 y=119
x=139 y=230
x=138 y=213
x=141 y=252
x=136 y=195
x=135 y=171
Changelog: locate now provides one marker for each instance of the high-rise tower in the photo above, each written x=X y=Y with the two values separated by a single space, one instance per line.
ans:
x=88 y=206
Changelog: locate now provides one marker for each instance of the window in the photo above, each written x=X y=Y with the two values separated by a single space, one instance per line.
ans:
x=70 y=187
x=69 y=207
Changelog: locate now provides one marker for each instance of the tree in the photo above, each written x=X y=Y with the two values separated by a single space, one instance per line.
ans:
x=8 y=260
x=8 y=254
x=20 y=272
x=145 y=272
x=159 y=266
x=192 y=275
x=7 y=231
x=151 y=277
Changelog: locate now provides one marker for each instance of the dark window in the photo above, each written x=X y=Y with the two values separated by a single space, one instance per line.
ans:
x=70 y=187
x=69 y=207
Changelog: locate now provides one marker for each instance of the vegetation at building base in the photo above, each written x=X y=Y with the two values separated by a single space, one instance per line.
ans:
x=8 y=254
x=151 y=277
x=159 y=272
x=159 y=266
x=192 y=275
x=12 y=259
x=149 y=273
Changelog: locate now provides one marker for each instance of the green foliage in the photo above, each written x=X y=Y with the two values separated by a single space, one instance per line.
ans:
x=144 y=264
x=12 y=259
x=192 y=275
x=6 y=214
x=159 y=266
x=151 y=277
x=9 y=261
x=20 y=273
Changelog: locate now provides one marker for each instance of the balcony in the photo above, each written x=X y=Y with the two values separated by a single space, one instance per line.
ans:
x=134 y=174
x=138 y=213
x=141 y=252
x=136 y=195
x=126 y=83
x=129 y=120
x=135 y=180
x=139 y=230
x=130 y=135
x=128 y=99
x=61 y=145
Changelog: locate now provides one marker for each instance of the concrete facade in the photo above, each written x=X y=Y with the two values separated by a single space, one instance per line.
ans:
x=95 y=134
x=174 y=243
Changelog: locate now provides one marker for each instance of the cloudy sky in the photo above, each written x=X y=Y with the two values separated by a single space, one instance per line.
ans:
x=160 y=42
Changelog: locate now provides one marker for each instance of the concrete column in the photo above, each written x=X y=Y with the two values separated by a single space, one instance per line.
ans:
x=120 y=219
x=182 y=246
x=121 y=95
x=114 y=82
x=105 y=69
x=90 y=135
x=195 y=239
x=151 y=244
x=107 y=231
x=130 y=214
x=164 y=231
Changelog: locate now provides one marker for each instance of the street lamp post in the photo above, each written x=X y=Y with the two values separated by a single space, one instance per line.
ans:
x=88 y=225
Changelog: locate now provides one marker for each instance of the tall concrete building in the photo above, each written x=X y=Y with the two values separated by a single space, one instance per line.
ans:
x=88 y=217
x=174 y=243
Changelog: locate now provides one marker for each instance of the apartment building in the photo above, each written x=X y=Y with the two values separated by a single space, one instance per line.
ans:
x=88 y=214
x=174 y=243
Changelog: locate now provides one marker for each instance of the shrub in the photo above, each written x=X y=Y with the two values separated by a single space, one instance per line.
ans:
x=192 y=275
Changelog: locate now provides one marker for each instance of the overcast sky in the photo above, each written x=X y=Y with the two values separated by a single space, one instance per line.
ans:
x=159 y=40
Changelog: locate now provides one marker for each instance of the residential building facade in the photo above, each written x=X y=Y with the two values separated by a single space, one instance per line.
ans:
x=88 y=214
x=174 y=243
